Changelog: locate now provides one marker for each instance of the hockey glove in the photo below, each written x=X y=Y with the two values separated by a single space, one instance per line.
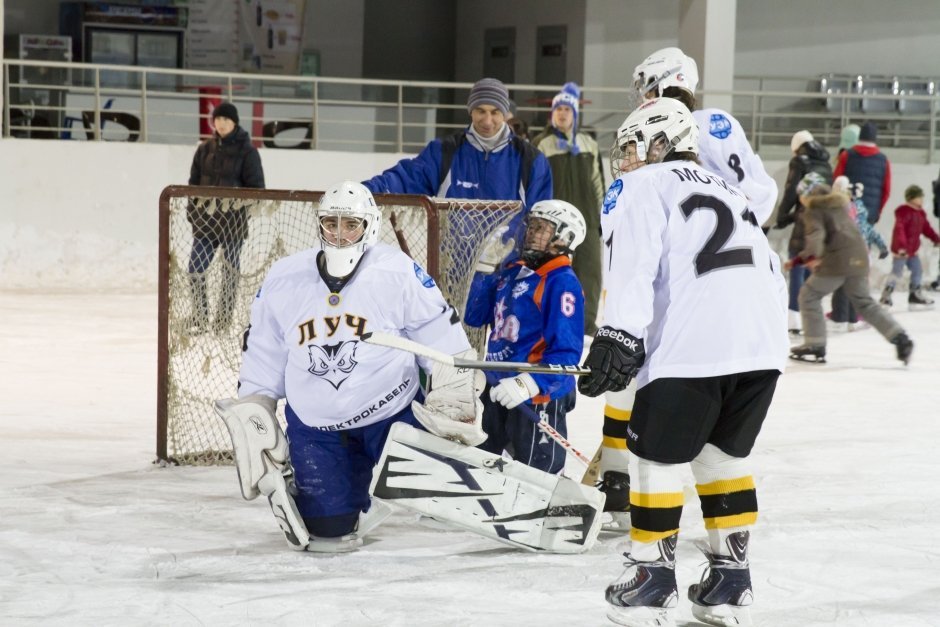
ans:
x=513 y=391
x=453 y=408
x=614 y=359
x=494 y=251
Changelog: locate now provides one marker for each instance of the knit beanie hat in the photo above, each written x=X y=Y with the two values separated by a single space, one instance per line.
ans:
x=226 y=110
x=569 y=96
x=489 y=91
x=812 y=184
x=849 y=136
x=800 y=138
x=912 y=192
x=869 y=133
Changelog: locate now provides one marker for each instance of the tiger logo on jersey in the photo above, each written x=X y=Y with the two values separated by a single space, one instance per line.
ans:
x=333 y=362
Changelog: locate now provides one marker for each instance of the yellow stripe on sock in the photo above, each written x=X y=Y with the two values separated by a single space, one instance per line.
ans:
x=725 y=486
x=641 y=535
x=611 y=442
x=738 y=520
x=617 y=414
x=660 y=500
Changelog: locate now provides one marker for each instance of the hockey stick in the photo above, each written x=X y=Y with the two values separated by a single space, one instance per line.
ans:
x=399 y=234
x=402 y=343
x=543 y=425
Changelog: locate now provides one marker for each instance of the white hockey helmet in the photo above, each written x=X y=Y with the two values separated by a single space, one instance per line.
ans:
x=570 y=228
x=657 y=128
x=669 y=67
x=347 y=200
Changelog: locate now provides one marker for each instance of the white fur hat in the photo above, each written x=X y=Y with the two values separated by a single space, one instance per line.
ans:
x=800 y=138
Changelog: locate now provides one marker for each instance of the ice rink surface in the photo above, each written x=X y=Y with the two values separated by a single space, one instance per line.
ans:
x=91 y=533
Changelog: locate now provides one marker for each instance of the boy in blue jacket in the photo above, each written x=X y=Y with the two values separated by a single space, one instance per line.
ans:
x=535 y=309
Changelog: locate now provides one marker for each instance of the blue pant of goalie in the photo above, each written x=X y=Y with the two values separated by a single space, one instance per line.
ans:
x=333 y=470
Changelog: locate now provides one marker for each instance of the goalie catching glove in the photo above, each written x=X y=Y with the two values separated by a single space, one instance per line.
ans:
x=262 y=460
x=453 y=409
x=614 y=359
x=494 y=251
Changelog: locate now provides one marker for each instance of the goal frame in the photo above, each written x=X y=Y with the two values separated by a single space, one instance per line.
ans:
x=432 y=239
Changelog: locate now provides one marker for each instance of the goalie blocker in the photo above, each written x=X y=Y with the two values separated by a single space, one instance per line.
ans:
x=486 y=494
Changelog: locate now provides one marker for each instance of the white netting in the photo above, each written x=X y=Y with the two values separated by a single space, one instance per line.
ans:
x=217 y=246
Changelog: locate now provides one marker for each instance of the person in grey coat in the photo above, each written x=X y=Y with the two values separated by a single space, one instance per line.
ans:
x=837 y=255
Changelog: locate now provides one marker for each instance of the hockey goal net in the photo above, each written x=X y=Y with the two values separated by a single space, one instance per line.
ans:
x=206 y=288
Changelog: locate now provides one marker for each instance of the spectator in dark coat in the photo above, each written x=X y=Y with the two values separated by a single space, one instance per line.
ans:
x=227 y=159
x=808 y=156
x=864 y=163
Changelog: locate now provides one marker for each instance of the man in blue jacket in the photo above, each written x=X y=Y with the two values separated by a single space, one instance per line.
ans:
x=484 y=161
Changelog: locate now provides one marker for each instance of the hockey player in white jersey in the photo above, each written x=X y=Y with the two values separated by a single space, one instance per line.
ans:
x=723 y=146
x=304 y=345
x=723 y=149
x=696 y=311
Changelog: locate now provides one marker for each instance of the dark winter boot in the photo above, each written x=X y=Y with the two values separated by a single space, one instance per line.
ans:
x=198 y=321
x=646 y=593
x=904 y=345
x=723 y=595
x=917 y=300
x=811 y=354
x=886 y=296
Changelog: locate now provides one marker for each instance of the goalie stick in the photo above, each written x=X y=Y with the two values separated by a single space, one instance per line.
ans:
x=402 y=343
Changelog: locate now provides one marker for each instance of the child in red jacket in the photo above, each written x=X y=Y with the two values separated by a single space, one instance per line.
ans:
x=910 y=223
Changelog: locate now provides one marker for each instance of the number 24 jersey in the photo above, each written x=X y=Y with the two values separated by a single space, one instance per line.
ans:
x=688 y=269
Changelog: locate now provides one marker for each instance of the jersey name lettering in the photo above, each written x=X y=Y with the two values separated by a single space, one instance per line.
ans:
x=308 y=327
x=689 y=174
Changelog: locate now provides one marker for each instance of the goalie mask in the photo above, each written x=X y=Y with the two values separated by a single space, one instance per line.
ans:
x=554 y=227
x=656 y=129
x=348 y=221
x=669 y=67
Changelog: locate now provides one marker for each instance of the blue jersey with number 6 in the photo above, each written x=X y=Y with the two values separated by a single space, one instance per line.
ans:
x=534 y=316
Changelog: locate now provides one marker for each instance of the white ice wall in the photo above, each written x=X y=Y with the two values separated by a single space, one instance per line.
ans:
x=83 y=215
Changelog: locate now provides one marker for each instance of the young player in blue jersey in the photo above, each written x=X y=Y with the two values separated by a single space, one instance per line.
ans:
x=535 y=308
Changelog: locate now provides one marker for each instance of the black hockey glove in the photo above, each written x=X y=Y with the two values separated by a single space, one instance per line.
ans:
x=614 y=359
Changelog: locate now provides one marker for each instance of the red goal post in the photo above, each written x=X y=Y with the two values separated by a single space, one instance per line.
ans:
x=199 y=345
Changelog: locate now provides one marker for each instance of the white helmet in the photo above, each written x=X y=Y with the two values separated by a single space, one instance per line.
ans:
x=347 y=200
x=570 y=228
x=669 y=67
x=657 y=127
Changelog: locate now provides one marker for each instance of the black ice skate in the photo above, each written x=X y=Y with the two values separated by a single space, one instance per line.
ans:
x=645 y=594
x=723 y=595
x=934 y=286
x=904 y=345
x=616 y=485
x=916 y=300
x=810 y=354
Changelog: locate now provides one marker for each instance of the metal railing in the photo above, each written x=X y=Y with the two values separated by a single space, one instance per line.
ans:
x=57 y=100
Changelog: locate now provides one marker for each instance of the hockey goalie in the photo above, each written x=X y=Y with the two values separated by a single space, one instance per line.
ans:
x=343 y=396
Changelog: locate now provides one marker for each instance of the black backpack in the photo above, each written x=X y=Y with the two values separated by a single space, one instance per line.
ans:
x=451 y=143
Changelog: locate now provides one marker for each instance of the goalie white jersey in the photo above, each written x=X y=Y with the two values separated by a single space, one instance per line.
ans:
x=304 y=343
x=676 y=233
x=724 y=150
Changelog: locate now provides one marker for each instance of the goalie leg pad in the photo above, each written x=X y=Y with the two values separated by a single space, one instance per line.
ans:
x=257 y=438
x=486 y=494
x=274 y=485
